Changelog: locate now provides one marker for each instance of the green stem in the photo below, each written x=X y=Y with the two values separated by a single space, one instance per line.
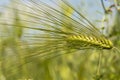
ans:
x=103 y=6
x=99 y=64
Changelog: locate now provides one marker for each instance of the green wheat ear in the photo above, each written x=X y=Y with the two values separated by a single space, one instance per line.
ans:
x=89 y=41
x=63 y=24
x=60 y=28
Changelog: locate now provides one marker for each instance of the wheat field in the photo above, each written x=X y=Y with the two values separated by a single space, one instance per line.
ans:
x=60 y=40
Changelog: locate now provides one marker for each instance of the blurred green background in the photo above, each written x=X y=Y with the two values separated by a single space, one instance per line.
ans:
x=79 y=65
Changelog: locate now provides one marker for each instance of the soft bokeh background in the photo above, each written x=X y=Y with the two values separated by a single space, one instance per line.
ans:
x=80 y=65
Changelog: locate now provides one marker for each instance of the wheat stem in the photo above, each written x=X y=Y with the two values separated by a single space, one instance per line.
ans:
x=99 y=64
x=103 y=6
